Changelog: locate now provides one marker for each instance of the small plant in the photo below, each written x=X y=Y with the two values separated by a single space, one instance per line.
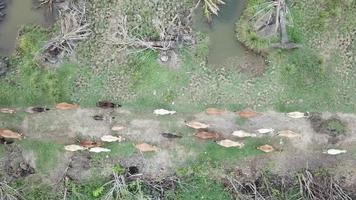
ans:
x=98 y=192
x=335 y=127
x=120 y=188
x=118 y=169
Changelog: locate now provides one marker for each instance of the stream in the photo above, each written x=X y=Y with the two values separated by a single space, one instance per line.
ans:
x=19 y=13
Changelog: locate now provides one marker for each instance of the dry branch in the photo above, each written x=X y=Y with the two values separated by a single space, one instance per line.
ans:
x=8 y=193
x=320 y=188
x=74 y=28
x=171 y=34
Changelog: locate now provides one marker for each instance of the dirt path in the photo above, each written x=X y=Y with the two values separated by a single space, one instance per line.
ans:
x=290 y=155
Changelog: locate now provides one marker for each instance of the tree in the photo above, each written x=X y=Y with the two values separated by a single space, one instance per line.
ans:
x=273 y=17
x=211 y=7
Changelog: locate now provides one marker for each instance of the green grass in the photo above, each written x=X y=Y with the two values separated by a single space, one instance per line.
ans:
x=11 y=121
x=200 y=187
x=336 y=127
x=210 y=151
x=46 y=154
x=2 y=151
x=200 y=176
x=29 y=83
x=241 y=121
x=118 y=150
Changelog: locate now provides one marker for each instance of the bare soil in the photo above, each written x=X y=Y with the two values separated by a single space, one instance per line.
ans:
x=290 y=156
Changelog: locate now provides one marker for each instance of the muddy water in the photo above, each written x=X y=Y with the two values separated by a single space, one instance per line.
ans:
x=18 y=13
x=224 y=46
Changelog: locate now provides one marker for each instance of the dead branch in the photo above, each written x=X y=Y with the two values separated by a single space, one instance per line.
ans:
x=171 y=34
x=74 y=28
x=321 y=188
x=8 y=193
x=271 y=18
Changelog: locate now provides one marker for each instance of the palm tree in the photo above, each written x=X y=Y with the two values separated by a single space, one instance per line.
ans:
x=274 y=12
x=211 y=7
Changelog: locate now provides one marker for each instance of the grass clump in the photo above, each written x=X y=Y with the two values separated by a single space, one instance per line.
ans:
x=335 y=127
x=245 y=30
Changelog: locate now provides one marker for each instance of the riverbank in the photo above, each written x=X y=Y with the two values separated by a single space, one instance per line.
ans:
x=16 y=15
x=312 y=72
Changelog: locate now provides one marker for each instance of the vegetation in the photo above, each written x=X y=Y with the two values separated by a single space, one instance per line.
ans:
x=319 y=76
x=46 y=153
x=30 y=83
x=335 y=127
x=211 y=7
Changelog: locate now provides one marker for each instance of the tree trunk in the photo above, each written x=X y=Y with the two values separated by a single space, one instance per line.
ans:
x=284 y=33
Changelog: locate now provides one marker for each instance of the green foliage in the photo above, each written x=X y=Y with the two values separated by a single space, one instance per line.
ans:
x=142 y=15
x=31 y=84
x=336 y=127
x=118 y=169
x=90 y=190
x=200 y=187
x=304 y=70
x=295 y=35
x=210 y=152
x=201 y=50
x=98 y=192
x=245 y=31
x=38 y=192
x=2 y=151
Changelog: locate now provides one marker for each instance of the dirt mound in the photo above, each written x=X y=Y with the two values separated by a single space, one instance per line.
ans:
x=14 y=164
x=79 y=167
x=332 y=126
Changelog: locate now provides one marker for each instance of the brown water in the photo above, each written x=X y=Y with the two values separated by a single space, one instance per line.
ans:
x=223 y=46
x=19 y=13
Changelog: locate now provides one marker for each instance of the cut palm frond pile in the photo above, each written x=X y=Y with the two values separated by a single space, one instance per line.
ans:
x=271 y=19
x=73 y=28
x=211 y=7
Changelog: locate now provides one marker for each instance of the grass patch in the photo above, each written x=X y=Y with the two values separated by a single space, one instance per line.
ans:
x=29 y=83
x=12 y=121
x=2 y=151
x=210 y=152
x=200 y=187
x=122 y=149
x=46 y=153
x=241 y=121
x=216 y=153
x=245 y=30
x=335 y=127
x=304 y=70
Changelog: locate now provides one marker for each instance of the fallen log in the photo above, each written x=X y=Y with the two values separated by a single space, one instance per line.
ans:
x=287 y=46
